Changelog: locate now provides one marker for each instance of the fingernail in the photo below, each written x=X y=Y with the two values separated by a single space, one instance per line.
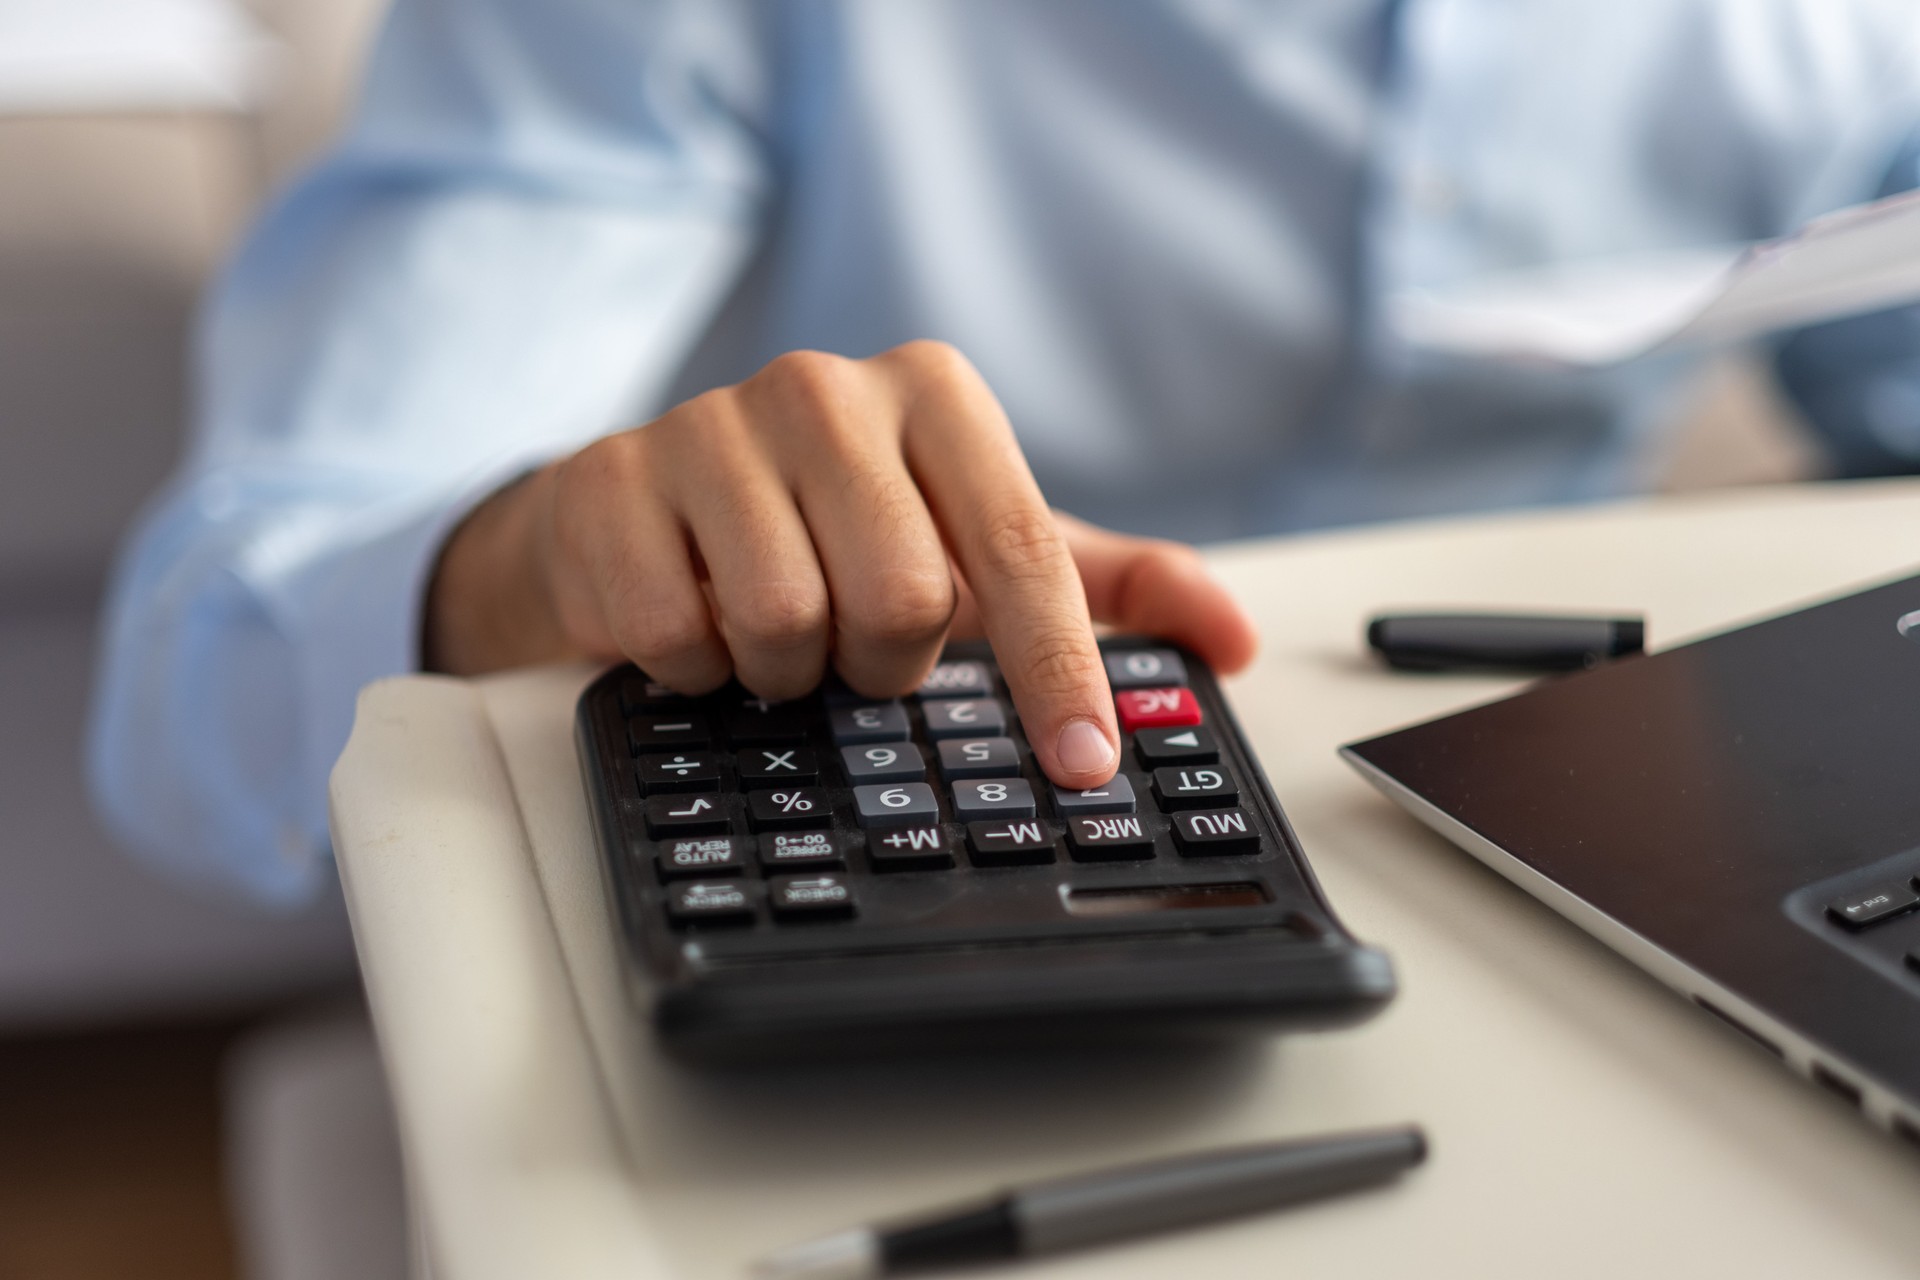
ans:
x=1083 y=748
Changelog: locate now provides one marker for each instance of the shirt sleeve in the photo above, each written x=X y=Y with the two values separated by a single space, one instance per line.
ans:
x=1857 y=381
x=536 y=212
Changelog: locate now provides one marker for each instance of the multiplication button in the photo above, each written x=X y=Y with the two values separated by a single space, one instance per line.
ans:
x=700 y=856
x=775 y=766
x=811 y=898
x=707 y=902
x=1010 y=844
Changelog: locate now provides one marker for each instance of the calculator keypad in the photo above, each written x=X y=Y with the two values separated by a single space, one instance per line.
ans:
x=783 y=815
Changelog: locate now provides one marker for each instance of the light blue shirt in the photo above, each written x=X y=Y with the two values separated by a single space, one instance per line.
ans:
x=1163 y=230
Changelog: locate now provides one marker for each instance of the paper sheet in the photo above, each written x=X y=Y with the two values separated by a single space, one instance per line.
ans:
x=1604 y=311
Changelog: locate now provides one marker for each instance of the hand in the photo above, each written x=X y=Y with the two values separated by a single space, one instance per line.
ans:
x=852 y=511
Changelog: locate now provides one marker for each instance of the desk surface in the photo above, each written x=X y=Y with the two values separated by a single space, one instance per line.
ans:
x=1585 y=1121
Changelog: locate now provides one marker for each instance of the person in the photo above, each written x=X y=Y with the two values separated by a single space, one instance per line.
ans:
x=883 y=278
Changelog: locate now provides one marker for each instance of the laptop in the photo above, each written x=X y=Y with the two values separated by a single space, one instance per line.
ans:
x=1739 y=816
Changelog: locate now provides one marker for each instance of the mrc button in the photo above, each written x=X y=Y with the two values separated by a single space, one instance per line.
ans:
x=1863 y=909
x=701 y=856
x=1110 y=837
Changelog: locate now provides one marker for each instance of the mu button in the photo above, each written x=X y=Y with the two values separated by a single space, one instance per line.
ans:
x=1209 y=832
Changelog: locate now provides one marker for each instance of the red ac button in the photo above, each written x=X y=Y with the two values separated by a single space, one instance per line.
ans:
x=1156 y=708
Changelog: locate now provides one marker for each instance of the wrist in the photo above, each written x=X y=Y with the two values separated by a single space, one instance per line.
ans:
x=488 y=607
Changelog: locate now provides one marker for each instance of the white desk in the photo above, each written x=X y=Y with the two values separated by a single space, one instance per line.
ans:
x=1585 y=1121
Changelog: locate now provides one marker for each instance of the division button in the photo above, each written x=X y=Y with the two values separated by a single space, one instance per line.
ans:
x=1181 y=745
x=917 y=848
x=656 y=730
x=683 y=771
x=800 y=850
x=992 y=798
x=669 y=816
x=1119 y=836
x=868 y=722
x=755 y=721
x=710 y=902
x=965 y=718
x=1010 y=844
x=1109 y=797
x=1208 y=832
x=701 y=856
x=1145 y=668
x=1197 y=787
x=811 y=898
x=1860 y=910
x=775 y=766
x=897 y=805
x=957 y=680
x=979 y=758
x=787 y=808
x=884 y=762
x=1156 y=708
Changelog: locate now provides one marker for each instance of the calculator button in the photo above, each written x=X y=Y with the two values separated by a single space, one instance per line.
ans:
x=868 y=722
x=1145 y=668
x=957 y=680
x=800 y=850
x=996 y=798
x=701 y=856
x=669 y=816
x=916 y=848
x=1863 y=909
x=965 y=718
x=775 y=766
x=884 y=762
x=755 y=721
x=835 y=693
x=897 y=805
x=1209 y=832
x=1010 y=844
x=787 y=808
x=1188 y=745
x=1156 y=708
x=1107 y=839
x=1196 y=787
x=979 y=758
x=1109 y=797
x=708 y=902
x=657 y=730
x=683 y=771
x=638 y=693
x=811 y=898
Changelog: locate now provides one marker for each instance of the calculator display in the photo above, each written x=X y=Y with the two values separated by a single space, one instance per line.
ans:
x=838 y=870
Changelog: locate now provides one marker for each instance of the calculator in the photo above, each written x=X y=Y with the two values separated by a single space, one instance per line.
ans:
x=836 y=874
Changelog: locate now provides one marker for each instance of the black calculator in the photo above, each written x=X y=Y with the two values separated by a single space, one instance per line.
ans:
x=840 y=875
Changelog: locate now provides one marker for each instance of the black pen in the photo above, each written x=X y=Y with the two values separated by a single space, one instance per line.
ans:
x=1500 y=641
x=1091 y=1208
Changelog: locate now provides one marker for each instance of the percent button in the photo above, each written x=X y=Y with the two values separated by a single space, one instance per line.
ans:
x=787 y=809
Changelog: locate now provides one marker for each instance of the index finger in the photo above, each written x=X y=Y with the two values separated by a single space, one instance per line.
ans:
x=1032 y=606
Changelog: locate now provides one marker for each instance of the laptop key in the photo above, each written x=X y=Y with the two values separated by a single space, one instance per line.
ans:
x=1861 y=910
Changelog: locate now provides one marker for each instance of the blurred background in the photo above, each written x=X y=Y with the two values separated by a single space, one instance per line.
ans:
x=137 y=139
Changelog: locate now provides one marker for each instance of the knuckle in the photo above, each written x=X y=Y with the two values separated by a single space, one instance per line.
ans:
x=1059 y=662
x=813 y=384
x=782 y=615
x=659 y=633
x=935 y=360
x=909 y=608
x=1022 y=544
